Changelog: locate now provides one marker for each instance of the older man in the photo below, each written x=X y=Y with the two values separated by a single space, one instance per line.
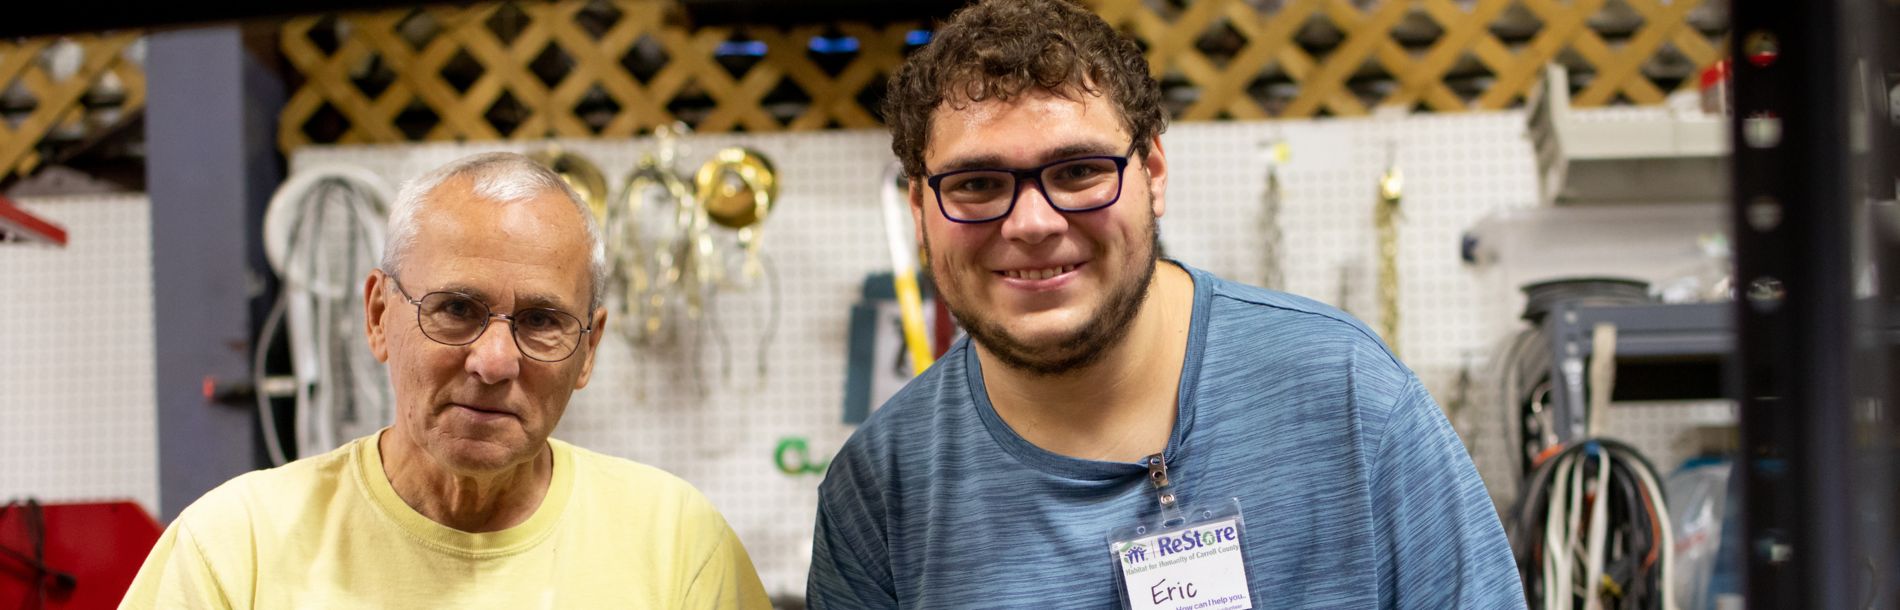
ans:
x=465 y=502
x=1115 y=416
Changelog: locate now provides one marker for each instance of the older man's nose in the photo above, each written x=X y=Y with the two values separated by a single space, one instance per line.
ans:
x=494 y=357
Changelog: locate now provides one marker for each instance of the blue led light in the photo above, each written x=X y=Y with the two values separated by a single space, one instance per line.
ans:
x=917 y=37
x=843 y=44
x=746 y=48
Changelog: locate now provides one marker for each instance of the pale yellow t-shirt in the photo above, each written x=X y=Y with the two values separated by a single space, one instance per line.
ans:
x=330 y=532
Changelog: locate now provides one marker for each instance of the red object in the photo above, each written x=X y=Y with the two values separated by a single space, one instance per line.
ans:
x=99 y=545
x=1715 y=74
x=16 y=223
x=1716 y=96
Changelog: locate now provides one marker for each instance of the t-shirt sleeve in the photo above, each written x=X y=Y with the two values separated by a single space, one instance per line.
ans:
x=727 y=580
x=175 y=575
x=844 y=574
x=1441 y=545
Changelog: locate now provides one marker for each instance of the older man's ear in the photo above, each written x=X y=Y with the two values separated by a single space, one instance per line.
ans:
x=593 y=347
x=373 y=306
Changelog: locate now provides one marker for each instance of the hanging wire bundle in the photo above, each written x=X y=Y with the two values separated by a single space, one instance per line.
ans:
x=323 y=232
x=1591 y=531
x=1590 y=528
x=676 y=241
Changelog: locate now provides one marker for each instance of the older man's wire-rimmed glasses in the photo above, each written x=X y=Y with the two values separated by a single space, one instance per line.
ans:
x=1072 y=185
x=453 y=318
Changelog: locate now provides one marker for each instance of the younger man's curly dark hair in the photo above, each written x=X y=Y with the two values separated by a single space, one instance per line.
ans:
x=1003 y=49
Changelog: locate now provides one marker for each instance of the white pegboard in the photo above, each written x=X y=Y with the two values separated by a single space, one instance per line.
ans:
x=1457 y=169
x=77 y=402
x=826 y=234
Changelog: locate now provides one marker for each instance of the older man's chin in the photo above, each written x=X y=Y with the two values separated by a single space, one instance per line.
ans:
x=483 y=451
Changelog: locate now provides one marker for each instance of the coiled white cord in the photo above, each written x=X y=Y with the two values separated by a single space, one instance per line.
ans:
x=323 y=232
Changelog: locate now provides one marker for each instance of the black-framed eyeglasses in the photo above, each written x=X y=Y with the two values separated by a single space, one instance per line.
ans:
x=453 y=318
x=1072 y=185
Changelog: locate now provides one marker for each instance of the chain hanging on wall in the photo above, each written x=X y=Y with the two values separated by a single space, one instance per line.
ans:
x=1276 y=153
x=1386 y=220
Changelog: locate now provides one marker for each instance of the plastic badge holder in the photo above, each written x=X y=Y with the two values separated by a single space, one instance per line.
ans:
x=1183 y=560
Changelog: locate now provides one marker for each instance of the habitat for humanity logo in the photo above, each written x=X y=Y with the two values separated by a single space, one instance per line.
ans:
x=1132 y=553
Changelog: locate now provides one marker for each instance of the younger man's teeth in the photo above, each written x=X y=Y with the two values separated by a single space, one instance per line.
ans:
x=1040 y=274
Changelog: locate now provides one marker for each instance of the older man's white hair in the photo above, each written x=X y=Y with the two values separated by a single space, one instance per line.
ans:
x=501 y=177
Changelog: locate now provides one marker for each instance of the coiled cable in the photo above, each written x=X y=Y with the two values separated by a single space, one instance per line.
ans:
x=323 y=232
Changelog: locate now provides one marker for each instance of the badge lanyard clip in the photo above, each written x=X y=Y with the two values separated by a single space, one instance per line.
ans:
x=1158 y=475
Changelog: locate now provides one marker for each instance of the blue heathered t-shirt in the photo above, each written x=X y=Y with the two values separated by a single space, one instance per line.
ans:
x=1355 y=491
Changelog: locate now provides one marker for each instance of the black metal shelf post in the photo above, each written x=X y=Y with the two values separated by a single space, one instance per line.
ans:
x=1810 y=382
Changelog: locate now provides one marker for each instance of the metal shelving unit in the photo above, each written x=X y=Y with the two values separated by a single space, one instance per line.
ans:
x=1663 y=352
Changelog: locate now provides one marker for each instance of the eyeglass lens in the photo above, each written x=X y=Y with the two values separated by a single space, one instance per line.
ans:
x=1075 y=185
x=542 y=334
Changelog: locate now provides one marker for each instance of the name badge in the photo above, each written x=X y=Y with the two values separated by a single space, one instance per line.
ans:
x=1195 y=562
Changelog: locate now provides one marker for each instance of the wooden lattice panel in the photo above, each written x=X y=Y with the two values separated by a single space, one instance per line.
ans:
x=600 y=68
x=565 y=69
x=1334 y=57
x=63 y=88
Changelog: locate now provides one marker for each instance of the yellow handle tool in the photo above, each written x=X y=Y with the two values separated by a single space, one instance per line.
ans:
x=910 y=301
